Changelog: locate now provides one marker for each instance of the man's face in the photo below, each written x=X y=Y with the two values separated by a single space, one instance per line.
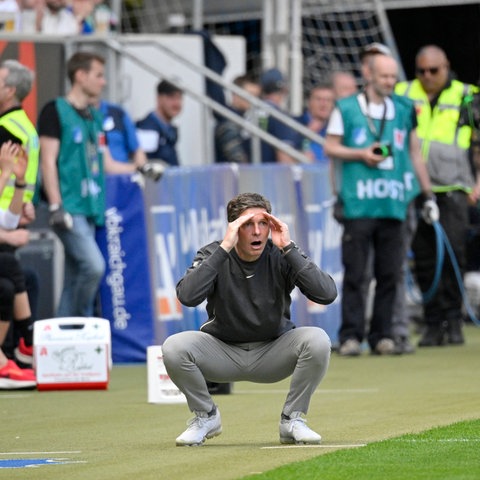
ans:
x=321 y=103
x=253 y=235
x=344 y=85
x=383 y=75
x=93 y=81
x=432 y=71
x=5 y=91
x=170 y=105
x=240 y=103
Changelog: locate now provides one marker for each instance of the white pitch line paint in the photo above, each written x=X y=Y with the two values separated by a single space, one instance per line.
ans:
x=355 y=445
x=436 y=440
x=41 y=453
x=14 y=395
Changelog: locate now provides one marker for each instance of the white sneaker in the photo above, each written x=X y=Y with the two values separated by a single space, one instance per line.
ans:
x=385 y=346
x=200 y=427
x=296 y=431
x=350 y=348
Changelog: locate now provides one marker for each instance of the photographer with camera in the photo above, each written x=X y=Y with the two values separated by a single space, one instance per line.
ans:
x=372 y=140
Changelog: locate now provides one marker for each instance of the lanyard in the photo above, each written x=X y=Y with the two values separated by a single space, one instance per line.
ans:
x=371 y=125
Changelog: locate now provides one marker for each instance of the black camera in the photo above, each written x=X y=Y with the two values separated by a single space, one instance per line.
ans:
x=384 y=150
x=470 y=111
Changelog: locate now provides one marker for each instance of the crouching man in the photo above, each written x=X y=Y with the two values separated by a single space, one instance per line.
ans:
x=247 y=280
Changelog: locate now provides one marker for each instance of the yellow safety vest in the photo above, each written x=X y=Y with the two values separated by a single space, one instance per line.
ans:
x=19 y=125
x=444 y=143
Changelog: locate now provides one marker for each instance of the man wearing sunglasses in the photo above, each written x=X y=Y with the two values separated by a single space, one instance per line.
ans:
x=445 y=144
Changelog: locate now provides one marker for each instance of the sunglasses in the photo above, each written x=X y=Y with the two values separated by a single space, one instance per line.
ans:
x=431 y=70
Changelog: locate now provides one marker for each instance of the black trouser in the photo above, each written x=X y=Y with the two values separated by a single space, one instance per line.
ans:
x=12 y=281
x=447 y=302
x=385 y=238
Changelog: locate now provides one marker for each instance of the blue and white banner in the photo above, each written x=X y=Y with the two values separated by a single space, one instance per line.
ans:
x=125 y=292
x=185 y=210
x=324 y=235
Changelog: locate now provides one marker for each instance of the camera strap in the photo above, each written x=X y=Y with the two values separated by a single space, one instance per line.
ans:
x=371 y=125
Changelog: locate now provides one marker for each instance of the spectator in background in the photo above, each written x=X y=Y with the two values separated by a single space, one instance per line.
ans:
x=93 y=16
x=344 y=83
x=232 y=143
x=371 y=138
x=445 y=145
x=120 y=132
x=16 y=82
x=274 y=92
x=320 y=103
x=156 y=132
x=55 y=17
x=13 y=161
x=12 y=11
x=74 y=159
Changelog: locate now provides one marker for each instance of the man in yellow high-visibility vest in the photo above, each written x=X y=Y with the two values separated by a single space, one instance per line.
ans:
x=438 y=99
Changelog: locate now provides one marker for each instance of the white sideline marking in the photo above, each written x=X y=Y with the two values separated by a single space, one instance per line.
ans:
x=435 y=440
x=40 y=453
x=332 y=390
x=355 y=445
x=14 y=395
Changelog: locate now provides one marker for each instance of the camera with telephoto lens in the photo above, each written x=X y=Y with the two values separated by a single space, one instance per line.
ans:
x=384 y=150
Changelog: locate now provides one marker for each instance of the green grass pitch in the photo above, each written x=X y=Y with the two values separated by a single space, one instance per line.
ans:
x=374 y=414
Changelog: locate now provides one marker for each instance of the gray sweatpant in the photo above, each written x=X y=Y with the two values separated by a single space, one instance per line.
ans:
x=192 y=357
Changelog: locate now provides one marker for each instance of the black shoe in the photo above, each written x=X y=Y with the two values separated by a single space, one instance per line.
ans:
x=433 y=336
x=454 y=332
x=219 y=388
x=403 y=345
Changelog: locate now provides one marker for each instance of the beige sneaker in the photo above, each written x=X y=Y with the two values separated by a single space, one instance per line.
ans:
x=350 y=348
x=385 y=346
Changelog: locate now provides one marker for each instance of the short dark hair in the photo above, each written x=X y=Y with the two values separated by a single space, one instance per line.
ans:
x=167 y=88
x=237 y=205
x=242 y=80
x=82 y=61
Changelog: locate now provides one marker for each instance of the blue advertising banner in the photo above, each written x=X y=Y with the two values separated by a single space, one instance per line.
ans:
x=151 y=238
x=185 y=211
x=126 y=299
x=324 y=241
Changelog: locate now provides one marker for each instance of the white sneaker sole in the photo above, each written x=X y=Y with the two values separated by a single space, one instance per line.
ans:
x=25 y=359
x=292 y=441
x=214 y=433
x=9 y=384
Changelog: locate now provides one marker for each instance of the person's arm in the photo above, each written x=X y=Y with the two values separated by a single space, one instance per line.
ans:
x=200 y=278
x=334 y=148
x=419 y=165
x=114 y=167
x=152 y=170
x=49 y=150
x=315 y=284
x=17 y=238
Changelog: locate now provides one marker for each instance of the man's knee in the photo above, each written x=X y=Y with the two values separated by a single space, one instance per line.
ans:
x=318 y=343
x=174 y=348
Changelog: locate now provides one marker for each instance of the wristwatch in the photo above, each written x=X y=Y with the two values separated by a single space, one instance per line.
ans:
x=288 y=248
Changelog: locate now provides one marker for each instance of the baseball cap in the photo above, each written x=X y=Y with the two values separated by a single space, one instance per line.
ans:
x=272 y=80
x=373 y=48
